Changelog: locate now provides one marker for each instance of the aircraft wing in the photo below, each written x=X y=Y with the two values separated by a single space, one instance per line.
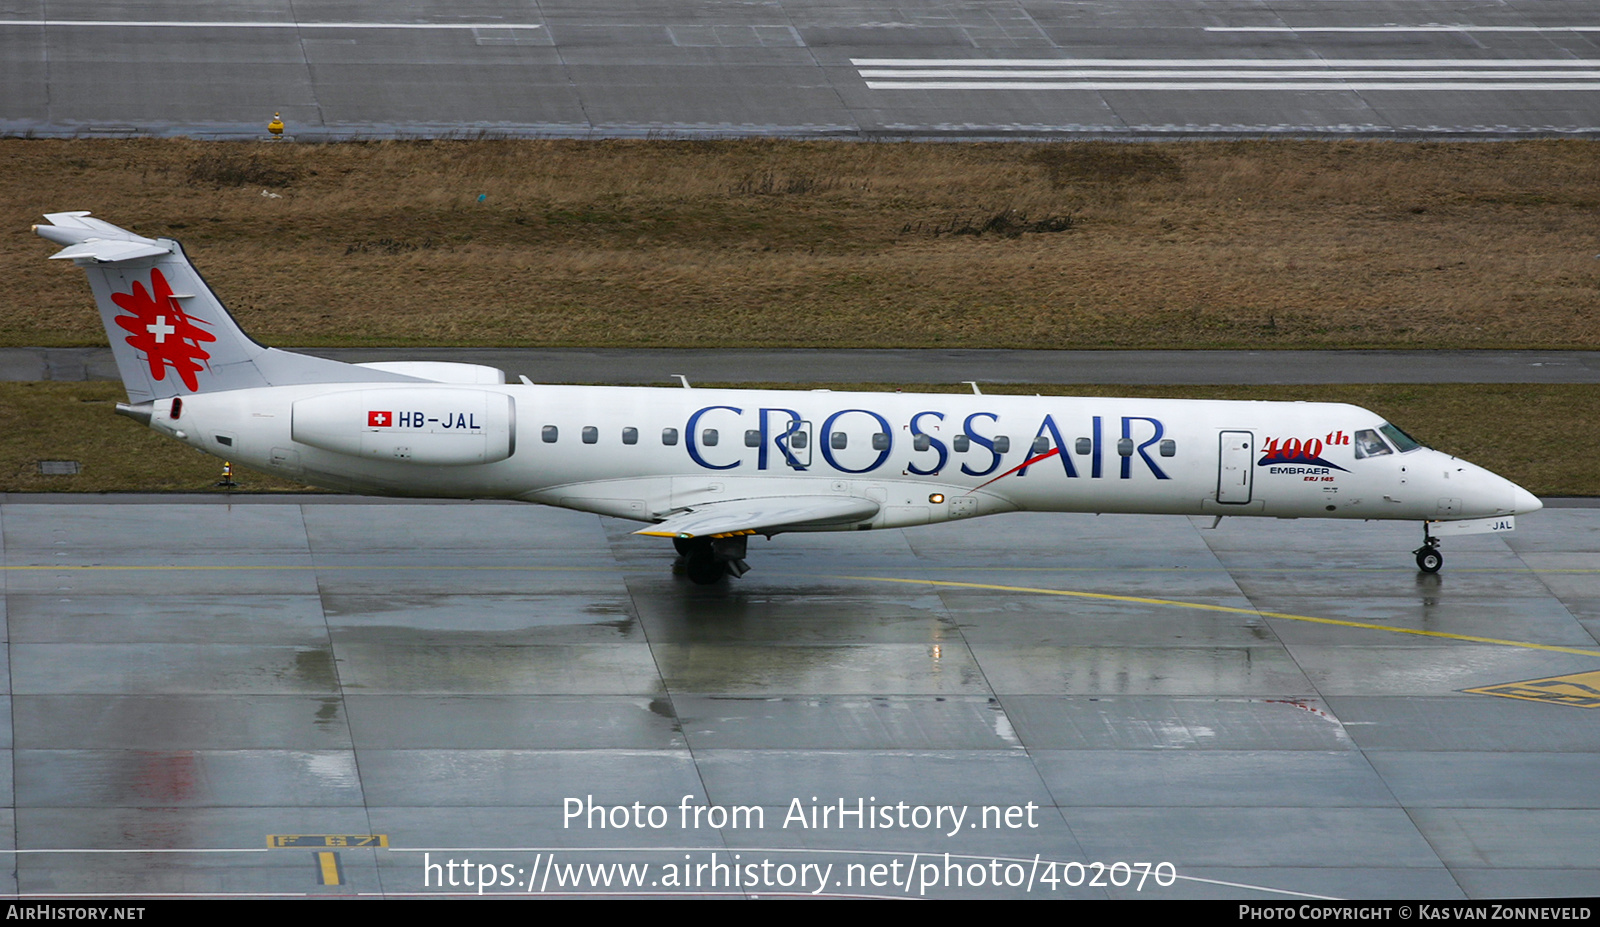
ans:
x=763 y=516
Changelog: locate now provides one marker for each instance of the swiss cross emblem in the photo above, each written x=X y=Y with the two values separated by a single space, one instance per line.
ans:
x=166 y=334
x=380 y=419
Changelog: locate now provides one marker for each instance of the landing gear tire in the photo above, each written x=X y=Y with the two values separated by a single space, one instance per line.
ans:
x=683 y=546
x=702 y=566
x=1429 y=560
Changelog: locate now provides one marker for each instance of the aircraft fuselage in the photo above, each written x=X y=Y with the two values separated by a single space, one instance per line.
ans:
x=644 y=453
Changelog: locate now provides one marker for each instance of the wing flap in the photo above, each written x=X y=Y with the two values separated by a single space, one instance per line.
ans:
x=761 y=516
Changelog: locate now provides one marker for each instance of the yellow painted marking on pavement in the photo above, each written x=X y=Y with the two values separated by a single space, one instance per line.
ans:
x=1526 y=645
x=298 y=841
x=1253 y=569
x=533 y=567
x=1142 y=600
x=179 y=568
x=1580 y=690
x=328 y=867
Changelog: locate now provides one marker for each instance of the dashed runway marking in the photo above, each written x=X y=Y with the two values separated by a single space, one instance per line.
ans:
x=1272 y=74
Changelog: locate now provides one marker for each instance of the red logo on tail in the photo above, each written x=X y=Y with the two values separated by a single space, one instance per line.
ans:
x=161 y=329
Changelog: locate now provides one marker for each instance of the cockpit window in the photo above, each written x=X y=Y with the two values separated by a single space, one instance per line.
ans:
x=1402 y=441
x=1368 y=444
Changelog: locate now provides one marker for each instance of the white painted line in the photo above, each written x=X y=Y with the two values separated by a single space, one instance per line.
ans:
x=1219 y=62
x=1431 y=27
x=1154 y=73
x=175 y=24
x=1297 y=74
x=150 y=850
x=1222 y=85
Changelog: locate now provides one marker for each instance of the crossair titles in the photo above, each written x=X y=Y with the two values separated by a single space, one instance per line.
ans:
x=778 y=427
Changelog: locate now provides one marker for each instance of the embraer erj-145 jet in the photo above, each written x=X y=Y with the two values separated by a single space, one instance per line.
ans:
x=710 y=468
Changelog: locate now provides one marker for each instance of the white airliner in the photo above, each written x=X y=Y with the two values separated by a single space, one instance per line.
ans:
x=710 y=468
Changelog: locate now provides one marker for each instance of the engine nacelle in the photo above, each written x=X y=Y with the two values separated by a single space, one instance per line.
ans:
x=418 y=424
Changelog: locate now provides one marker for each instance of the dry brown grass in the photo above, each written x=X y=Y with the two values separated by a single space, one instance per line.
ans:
x=1525 y=433
x=1271 y=244
x=76 y=421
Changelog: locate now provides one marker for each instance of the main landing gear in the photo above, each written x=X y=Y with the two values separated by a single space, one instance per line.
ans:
x=707 y=560
x=1429 y=559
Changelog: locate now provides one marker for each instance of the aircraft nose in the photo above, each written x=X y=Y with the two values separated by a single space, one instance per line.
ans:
x=1490 y=494
x=1523 y=502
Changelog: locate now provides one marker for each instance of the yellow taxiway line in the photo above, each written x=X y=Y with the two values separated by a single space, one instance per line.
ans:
x=1173 y=603
x=952 y=584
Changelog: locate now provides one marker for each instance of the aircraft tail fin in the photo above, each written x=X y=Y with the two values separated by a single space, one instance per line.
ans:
x=169 y=333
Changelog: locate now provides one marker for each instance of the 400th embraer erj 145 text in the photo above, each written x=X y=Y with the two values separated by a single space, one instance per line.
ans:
x=710 y=468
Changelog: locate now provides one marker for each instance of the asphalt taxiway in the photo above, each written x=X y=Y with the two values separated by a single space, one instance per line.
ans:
x=634 y=366
x=283 y=696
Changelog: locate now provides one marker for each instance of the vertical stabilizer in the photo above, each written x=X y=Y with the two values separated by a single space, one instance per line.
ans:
x=169 y=333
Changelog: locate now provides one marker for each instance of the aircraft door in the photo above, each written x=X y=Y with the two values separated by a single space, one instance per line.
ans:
x=1236 y=467
x=797 y=443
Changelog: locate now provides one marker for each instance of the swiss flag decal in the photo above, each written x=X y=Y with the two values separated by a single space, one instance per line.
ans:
x=380 y=419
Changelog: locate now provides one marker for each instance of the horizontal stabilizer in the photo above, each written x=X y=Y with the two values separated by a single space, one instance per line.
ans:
x=109 y=252
x=764 y=516
x=83 y=221
x=88 y=238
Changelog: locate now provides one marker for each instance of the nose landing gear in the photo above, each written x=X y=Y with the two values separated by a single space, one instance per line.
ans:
x=1429 y=559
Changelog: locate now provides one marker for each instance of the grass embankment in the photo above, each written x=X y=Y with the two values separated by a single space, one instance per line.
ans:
x=1535 y=435
x=763 y=243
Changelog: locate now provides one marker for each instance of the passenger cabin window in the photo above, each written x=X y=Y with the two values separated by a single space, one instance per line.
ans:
x=838 y=439
x=550 y=434
x=1002 y=444
x=922 y=442
x=752 y=438
x=591 y=434
x=708 y=437
x=880 y=441
x=1125 y=447
x=1083 y=446
x=961 y=443
x=1168 y=447
x=1368 y=444
x=669 y=436
x=1041 y=445
x=797 y=440
x=630 y=436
